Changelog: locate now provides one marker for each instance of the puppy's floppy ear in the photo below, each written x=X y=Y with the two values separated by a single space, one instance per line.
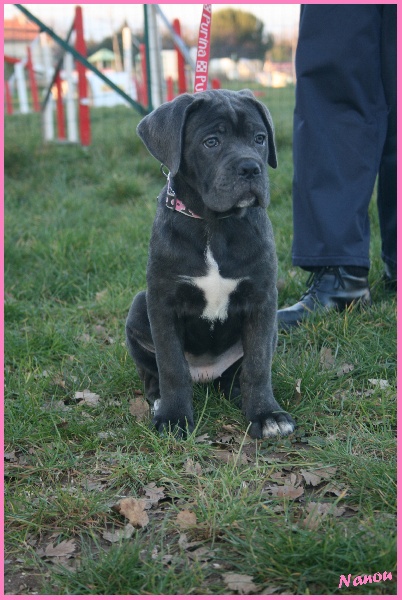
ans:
x=266 y=115
x=162 y=131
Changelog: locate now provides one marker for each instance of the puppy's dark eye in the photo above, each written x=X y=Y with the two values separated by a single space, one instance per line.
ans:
x=260 y=139
x=211 y=142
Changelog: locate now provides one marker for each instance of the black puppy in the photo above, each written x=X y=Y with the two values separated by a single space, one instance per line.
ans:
x=209 y=313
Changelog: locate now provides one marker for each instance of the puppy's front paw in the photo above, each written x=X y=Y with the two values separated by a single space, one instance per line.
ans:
x=280 y=423
x=180 y=427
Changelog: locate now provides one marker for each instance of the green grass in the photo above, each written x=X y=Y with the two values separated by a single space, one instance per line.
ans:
x=77 y=226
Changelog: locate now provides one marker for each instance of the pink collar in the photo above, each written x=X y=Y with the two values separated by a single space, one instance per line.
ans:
x=177 y=205
x=172 y=201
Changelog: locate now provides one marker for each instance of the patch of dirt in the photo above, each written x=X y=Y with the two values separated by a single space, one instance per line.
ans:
x=18 y=580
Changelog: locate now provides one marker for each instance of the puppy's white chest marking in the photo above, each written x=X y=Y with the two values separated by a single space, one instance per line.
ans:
x=216 y=288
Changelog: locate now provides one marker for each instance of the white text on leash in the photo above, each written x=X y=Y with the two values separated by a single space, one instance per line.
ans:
x=204 y=38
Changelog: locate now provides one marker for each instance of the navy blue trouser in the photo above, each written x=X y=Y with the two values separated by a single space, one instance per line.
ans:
x=344 y=133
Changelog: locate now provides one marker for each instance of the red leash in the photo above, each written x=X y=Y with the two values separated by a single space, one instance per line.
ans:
x=200 y=85
x=204 y=38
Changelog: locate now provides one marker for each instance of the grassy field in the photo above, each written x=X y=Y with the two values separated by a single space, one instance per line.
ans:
x=218 y=513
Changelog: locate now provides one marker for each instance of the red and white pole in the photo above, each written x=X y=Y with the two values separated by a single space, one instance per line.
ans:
x=8 y=98
x=83 y=108
x=61 y=130
x=181 y=69
x=169 y=89
x=32 y=81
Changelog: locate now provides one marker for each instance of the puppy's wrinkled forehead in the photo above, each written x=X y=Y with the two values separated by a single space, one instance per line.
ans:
x=223 y=113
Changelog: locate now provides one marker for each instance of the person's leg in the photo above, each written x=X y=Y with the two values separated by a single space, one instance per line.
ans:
x=339 y=130
x=340 y=123
x=387 y=172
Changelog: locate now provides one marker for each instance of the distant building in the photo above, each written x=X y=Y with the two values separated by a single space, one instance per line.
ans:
x=270 y=74
x=223 y=68
x=18 y=34
x=277 y=74
x=103 y=59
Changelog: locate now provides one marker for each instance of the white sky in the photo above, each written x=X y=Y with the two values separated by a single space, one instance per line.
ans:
x=101 y=19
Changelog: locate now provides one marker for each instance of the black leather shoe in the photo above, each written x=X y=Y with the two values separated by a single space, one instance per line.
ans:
x=330 y=287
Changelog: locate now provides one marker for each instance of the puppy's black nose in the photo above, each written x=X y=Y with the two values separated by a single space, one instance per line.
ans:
x=248 y=169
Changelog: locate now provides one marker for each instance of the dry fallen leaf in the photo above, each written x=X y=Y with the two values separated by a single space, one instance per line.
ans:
x=10 y=456
x=320 y=508
x=100 y=295
x=167 y=559
x=285 y=491
x=268 y=591
x=112 y=537
x=344 y=369
x=297 y=393
x=336 y=490
x=154 y=493
x=278 y=475
x=134 y=511
x=85 y=338
x=87 y=398
x=58 y=381
x=186 y=519
x=185 y=545
x=311 y=478
x=381 y=383
x=202 y=554
x=293 y=479
x=327 y=359
x=93 y=484
x=225 y=438
x=59 y=405
x=139 y=408
x=101 y=333
x=192 y=468
x=203 y=439
x=105 y=435
x=230 y=427
x=118 y=535
x=318 y=511
x=231 y=458
x=66 y=548
x=326 y=472
x=243 y=584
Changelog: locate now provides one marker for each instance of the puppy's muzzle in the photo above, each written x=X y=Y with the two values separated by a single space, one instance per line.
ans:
x=248 y=172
